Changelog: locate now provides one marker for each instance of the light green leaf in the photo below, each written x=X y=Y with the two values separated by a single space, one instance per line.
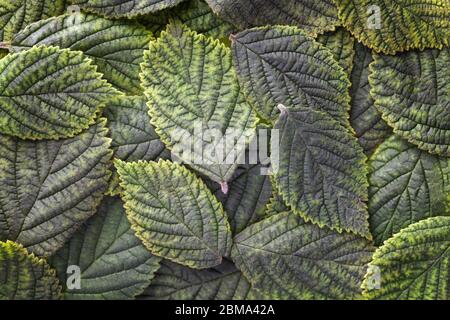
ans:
x=115 y=46
x=288 y=258
x=175 y=282
x=49 y=188
x=49 y=93
x=391 y=26
x=192 y=88
x=112 y=260
x=314 y=16
x=23 y=276
x=322 y=171
x=174 y=213
x=414 y=264
x=406 y=185
x=412 y=91
x=282 y=65
x=365 y=119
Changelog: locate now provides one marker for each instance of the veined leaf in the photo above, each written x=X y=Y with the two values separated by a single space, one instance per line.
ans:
x=174 y=213
x=49 y=93
x=414 y=264
x=406 y=185
x=412 y=91
x=282 y=65
x=49 y=188
x=16 y=14
x=370 y=129
x=24 y=276
x=115 y=46
x=322 y=171
x=192 y=89
x=175 y=282
x=314 y=16
x=112 y=260
x=287 y=258
x=394 y=26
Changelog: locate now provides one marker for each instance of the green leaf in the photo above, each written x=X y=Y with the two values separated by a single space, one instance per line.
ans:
x=124 y=8
x=394 y=26
x=115 y=46
x=49 y=93
x=175 y=282
x=190 y=84
x=314 y=16
x=276 y=204
x=49 y=188
x=365 y=119
x=23 y=276
x=322 y=171
x=112 y=260
x=288 y=258
x=406 y=185
x=174 y=214
x=16 y=14
x=412 y=91
x=414 y=264
x=282 y=65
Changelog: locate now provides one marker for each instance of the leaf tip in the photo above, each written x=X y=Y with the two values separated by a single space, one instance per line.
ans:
x=224 y=187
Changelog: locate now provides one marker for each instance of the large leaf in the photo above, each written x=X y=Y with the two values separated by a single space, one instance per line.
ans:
x=282 y=65
x=124 y=8
x=115 y=46
x=190 y=83
x=16 y=14
x=112 y=260
x=406 y=185
x=49 y=188
x=288 y=258
x=174 y=213
x=322 y=172
x=49 y=93
x=176 y=282
x=24 y=276
x=365 y=119
x=414 y=264
x=412 y=90
x=314 y=16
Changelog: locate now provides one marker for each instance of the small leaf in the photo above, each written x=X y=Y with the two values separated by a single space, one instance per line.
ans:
x=174 y=213
x=24 y=276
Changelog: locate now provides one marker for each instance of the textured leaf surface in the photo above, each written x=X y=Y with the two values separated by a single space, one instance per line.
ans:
x=49 y=93
x=412 y=91
x=415 y=263
x=365 y=119
x=288 y=258
x=406 y=185
x=49 y=188
x=190 y=82
x=322 y=172
x=113 y=262
x=25 y=277
x=124 y=8
x=174 y=213
x=403 y=24
x=16 y=14
x=115 y=46
x=175 y=282
x=282 y=65
x=314 y=16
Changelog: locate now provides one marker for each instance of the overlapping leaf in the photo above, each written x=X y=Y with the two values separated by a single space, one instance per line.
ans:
x=112 y=260
x=174 y=213
x=49 y=188
x=414 y=264
x=24 y=276
x=115 y=46
x=412 y=90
